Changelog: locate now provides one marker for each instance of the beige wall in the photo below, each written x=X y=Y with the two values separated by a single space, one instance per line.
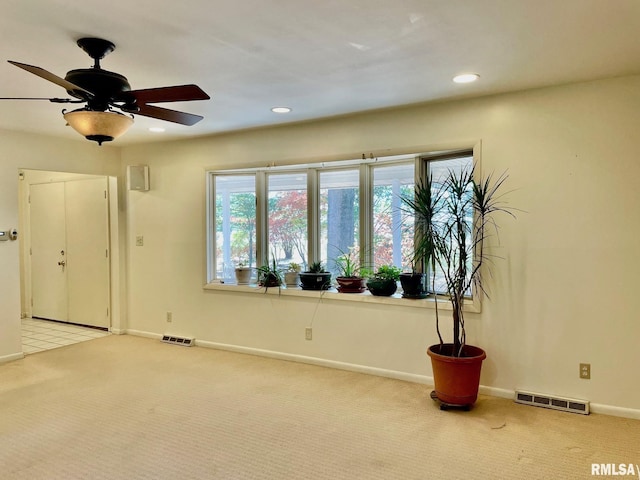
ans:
x=27 y=151
x=562 y=295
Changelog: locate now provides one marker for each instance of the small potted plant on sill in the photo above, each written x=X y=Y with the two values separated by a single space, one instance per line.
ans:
x=269 y=275
x=384 y=282
x=414 y=284
x=455 y=216
x=243 y=273
x=349 y=279
x=291 y=276
x=316 y=278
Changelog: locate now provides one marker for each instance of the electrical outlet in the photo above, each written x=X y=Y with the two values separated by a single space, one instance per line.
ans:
x=139 y=241
x=169 y=317
x=585 y=371
x=308 y=333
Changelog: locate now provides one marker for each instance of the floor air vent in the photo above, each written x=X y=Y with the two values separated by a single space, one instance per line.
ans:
x=557 y=403
x=187 y=342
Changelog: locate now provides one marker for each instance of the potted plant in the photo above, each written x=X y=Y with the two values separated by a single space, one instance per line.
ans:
x=384 y=282
x=269 y=275
x=243 y=273
x=414 y=284
x=291 y=277
x=349 y=279
x=455 y=216
x=316 y=278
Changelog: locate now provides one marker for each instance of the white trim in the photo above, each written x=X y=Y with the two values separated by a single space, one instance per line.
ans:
x=332 y=294
x=141 y=333
x=12 y=357
x=615 y=411
x=380 y=372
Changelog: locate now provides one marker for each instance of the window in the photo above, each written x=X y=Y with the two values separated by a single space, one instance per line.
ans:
x=287 y=218
x=438 y=169
x=339 y=215
x=392 y=226
x=235 y=223
x=310 y=213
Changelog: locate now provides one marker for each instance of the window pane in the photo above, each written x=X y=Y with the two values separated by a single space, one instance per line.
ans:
x=439 y=170
x=393 y=226
x=339 y=210
x=235 y=223
x=288 y=218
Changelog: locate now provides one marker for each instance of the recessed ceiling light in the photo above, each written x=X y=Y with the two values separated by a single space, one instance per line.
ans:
x=156 y=129
x=466 y=78
x=280 y=109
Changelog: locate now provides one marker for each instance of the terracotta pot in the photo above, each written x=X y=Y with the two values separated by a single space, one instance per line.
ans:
x=456 y=379
x=351 y=284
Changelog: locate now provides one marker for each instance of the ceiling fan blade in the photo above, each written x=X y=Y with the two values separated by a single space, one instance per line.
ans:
x=178 y=93
x=42 y=73
x=52 y=100
x=174 y=116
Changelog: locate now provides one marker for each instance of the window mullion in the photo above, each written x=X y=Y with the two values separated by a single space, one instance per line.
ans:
x=366 y=216
x=313 y=216
x=262 y=232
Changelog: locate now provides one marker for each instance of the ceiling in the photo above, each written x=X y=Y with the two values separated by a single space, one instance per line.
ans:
x=320 y=58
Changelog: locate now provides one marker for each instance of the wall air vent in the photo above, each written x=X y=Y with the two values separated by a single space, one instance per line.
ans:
x=556 y=403
x=185 y=341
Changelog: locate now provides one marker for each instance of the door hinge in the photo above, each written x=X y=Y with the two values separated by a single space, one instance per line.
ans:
x=106 y=253
x=107 y=312
x=105 y=194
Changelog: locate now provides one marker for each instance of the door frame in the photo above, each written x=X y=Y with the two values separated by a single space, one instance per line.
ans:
x=116 y=241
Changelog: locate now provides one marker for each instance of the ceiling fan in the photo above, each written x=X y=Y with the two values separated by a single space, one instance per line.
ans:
x=104 y=93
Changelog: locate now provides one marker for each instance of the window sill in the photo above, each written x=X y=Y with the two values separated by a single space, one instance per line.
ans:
x=333 y=295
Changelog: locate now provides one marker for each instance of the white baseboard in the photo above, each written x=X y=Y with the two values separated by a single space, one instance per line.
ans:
x=140 y=333
x=12 y=357
x=380 y=372
x=408 y=377
x=614 y=411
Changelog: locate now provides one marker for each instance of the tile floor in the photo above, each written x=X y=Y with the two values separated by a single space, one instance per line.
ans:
x=39 y=335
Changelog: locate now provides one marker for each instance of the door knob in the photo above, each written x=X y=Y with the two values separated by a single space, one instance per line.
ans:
x=62 y=263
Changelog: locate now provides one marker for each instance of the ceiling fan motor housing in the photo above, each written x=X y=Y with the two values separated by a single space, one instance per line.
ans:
x=105 y=86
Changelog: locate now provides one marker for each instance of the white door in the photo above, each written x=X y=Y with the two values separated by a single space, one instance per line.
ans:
x=70 y=281
x=48 y=251
x=87 y=233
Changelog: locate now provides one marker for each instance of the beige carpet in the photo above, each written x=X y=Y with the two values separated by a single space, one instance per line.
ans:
x=123 y=407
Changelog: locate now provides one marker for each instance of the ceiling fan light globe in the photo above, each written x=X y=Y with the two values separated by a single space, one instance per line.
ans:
x=98 y=126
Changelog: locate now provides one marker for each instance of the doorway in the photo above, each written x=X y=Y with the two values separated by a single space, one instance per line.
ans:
x=70 y=229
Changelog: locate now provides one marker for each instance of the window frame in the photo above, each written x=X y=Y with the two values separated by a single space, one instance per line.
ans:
x=366 y=190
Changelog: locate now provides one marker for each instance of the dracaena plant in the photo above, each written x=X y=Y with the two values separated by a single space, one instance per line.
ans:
x=454 y=217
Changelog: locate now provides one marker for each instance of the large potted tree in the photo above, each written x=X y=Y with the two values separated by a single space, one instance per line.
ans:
x=455 y=215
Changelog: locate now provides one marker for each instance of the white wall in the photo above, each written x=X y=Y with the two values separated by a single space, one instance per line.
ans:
x=563 y=294
x=29 y=151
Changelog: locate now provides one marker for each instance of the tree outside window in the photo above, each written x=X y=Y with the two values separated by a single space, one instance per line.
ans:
x=287 y=214
x=235 y=226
